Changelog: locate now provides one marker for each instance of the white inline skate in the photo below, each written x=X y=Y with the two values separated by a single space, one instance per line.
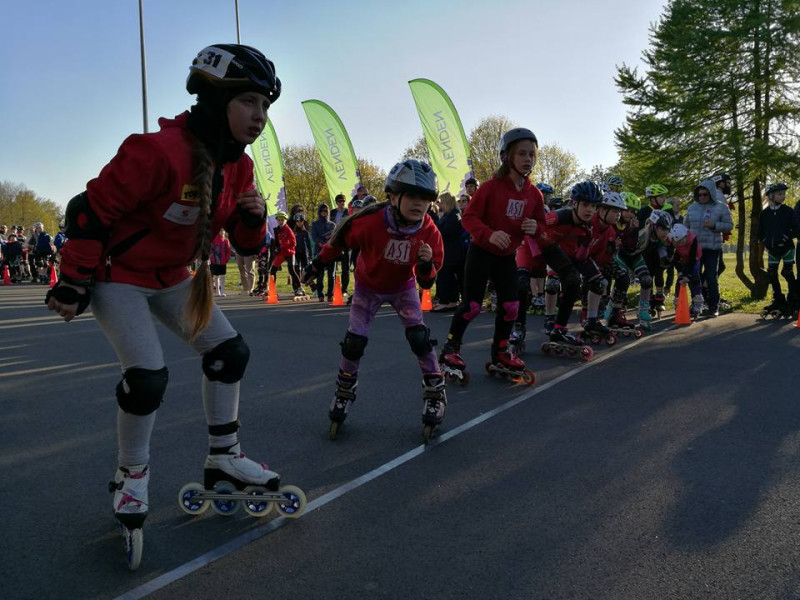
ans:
x=130 y=508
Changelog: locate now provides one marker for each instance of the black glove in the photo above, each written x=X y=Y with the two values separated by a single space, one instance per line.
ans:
x=311 y=271
x=67 y=295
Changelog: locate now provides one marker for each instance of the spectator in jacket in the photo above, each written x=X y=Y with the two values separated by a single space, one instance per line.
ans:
x=448 y=283
x=339 y=213
x=321 y=231
x=708 y=220
x=220 y=255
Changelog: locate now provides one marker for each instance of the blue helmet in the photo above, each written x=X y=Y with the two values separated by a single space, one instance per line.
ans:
x=545 y=188
x=586 y=191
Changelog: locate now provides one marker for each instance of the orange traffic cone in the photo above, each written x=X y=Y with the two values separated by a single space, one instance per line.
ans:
x=682 y=316
x=272 y=293
x=53 y=277
x=427 y=303
x=6 y=276
x=338 y=300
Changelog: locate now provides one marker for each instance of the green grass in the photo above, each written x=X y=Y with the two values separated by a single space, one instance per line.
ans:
x=730 y=287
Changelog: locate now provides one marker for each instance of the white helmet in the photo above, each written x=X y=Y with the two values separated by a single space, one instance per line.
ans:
x=613 y=200
x=678 y=233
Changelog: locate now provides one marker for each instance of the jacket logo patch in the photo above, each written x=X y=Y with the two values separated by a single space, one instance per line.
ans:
x=398 y=251
x=190 y=194
x=515 y=208
x=182 y=215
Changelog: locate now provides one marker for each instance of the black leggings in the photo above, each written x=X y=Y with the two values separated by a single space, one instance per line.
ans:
x=569 y=273
x=479 y=267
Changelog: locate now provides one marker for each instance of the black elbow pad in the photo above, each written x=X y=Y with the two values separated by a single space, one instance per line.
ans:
x=81 y=222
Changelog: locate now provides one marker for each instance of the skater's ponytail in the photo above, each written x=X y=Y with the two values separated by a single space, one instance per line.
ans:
x=201 y=297
x=337 y=237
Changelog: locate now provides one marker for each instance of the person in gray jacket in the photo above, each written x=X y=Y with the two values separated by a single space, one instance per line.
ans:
x=708 y=220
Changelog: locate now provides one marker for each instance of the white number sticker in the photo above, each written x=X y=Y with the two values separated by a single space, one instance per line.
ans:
x=398 y=251
x=213 y=60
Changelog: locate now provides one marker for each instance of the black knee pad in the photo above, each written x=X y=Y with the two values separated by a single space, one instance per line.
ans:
x=419 y=338
x=227 y=362
x=552 y=286
x=646 y=282
x=141 y=390
x=598 y=285
x=353 y=345
x=788 y=271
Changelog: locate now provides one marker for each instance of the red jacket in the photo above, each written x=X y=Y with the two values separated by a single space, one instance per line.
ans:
x=603 y=245
x=146 y=199
x=286 y=240
x=689 y=253
x=498 y=206
x=220 y=251
x=561 y=229
x=388 y=258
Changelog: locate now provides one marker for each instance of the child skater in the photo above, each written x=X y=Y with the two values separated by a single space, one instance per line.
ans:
x=502 y=210
x=220 y=255
x=777 y=228
x=399 y=243
x=685 y=257
x=286 y=242
x=155 y=207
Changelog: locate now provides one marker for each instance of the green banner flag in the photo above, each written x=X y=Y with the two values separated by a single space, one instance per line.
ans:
x=268 y=167
x=444 y=136
x=335 y=150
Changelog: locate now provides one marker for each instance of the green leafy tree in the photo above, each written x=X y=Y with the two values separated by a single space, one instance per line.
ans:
x=557 y=167
x=305 y=180
x=21 y=206
x=484 y=141
x=719 y=93
x=372 y=177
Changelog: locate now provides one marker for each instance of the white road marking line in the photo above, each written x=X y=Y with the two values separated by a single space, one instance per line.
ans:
x=250 y=536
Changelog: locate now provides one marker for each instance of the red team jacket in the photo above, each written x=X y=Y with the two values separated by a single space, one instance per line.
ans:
x=498 y=206
x=286 y=240
x=604 y=242
x=387 y=261
x=146 y=199
x=573 y=239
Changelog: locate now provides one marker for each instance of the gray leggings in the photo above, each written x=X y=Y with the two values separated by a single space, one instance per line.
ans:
x=124 y=314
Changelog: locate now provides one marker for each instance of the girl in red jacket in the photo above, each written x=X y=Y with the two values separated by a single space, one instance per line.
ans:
x=220 y=255
x=399 y=243
x=286 y=241
x=502 y=210
x=152 y=210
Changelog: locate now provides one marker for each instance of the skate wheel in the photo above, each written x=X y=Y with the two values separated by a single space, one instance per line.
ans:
x=611 y=340
x=529 y=377
x=558 y=350
x=333 y=430
x=489 y=369
x=427 y=433
x=572 y=351
x=586 y=353
x=626 y=333
x=464 y=380
x=225 y=507
x=256 y=507
x=134 y=545
x=294 y=502
x=638 y=333
x=188 y=500
x=545 y=348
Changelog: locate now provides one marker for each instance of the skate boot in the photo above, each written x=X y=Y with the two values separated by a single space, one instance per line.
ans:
x=657 y=304
x=563 y=343
x=452 y=364
x=792 y=305
x=776 y=309
x=538 y=304
x=343 y=397
x=595 y=332
x=644 y=315
x=619 y=324
x=232 y=480
x=549 y=324
x=130 y=508
x=506 y=364
x=516 y=341
x=434 y=404
x=608 y=312
x=696 y=309
x=584 y=316
x=300 y=295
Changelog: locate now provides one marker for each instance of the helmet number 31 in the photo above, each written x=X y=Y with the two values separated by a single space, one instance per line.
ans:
x=214 y=62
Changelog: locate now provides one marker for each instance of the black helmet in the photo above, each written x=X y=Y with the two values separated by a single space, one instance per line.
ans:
x=413 y=176
x=776 y=187
x=586 y=191
x=515 y=135
x=471 y=181
x=233 y=66
x=720 y=176
x=661 y=218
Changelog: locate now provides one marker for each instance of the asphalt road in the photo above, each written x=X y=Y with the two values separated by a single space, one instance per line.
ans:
x=664 y=468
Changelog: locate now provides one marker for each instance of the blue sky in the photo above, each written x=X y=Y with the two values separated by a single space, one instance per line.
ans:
x=72 y=88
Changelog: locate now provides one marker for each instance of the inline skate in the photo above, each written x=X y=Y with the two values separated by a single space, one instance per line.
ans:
x=129 y=487
x=434 y=405
x=300 y=295
x=619 y=324
x=563 y=343
x=779 y=308
x=644 y=315
x=452 y=364
x=549 y=324
x=696 y=309
x=232 y=480
x=657 y=304
x=516 y=341
x=595 y=332
x=506 y=364
x=537 y=305
x=343 y=397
